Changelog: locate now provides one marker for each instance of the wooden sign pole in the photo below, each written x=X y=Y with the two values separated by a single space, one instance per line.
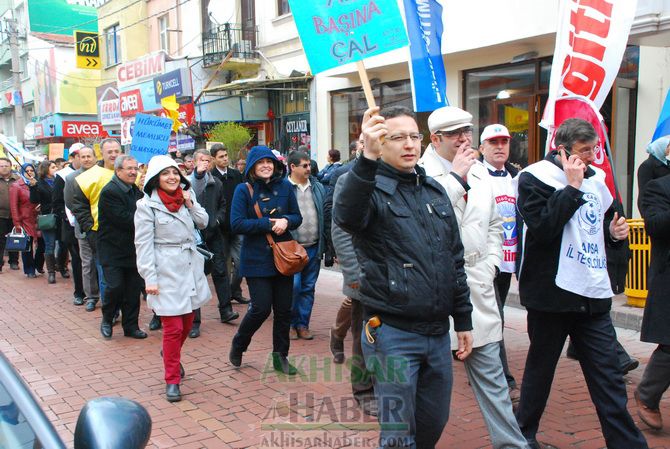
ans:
x=365 y=82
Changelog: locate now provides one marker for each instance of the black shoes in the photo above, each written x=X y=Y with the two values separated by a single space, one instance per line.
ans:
x=78 y=301
x=90 y=304
x=172 y=393
x=65 y=274
x=281 y=364
x=630 y=365
x=240 y=300
x=235 y=357
x=229 y=315
x=155 y=323
x=137 y=333
x=106 y=330
x=195 y=331
x=336 y=348
x=51 y=279
x=13 y=266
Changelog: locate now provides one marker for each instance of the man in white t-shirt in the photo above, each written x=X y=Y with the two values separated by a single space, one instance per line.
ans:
x=495 y=140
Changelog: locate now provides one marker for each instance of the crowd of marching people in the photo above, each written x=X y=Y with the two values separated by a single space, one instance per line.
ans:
x=427 y=241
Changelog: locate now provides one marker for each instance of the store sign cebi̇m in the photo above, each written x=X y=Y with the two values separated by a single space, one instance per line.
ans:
x=140 y=69
x=172 y=83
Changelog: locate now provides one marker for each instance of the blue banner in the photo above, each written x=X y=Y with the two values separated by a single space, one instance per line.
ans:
x=168 y=84
x=151 y=137
x=429 y=80
x=336 y=32
x=663 y=125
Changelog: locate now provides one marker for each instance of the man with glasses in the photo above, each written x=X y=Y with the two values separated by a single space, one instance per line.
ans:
x=452 y=162
x=311 y=234
x=412 y=279
x=116 y=249
x=564 y=284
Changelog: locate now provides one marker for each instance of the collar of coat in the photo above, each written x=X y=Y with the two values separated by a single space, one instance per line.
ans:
x=388 y=178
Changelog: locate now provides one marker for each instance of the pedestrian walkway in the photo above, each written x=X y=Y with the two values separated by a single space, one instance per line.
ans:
x=58 y=350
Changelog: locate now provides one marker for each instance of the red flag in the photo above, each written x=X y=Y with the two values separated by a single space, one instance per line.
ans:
x=583 y=108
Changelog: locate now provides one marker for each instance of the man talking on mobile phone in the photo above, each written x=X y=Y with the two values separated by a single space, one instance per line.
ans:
x=568 y=220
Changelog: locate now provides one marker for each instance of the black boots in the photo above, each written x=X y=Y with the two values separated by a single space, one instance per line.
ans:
x=235 y=357
x=155 y=323
x=228 y=315
x=50 y=260
x=172 y=393
x=280 y=363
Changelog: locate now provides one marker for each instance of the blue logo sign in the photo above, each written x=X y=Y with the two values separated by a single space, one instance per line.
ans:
x=168 y=84
x=336 y=32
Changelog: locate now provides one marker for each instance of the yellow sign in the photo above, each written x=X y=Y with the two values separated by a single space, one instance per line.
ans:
x=516 y=120
x=88 y=50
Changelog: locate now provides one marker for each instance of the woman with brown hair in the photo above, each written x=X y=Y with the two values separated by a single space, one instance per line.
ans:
x=41 y=189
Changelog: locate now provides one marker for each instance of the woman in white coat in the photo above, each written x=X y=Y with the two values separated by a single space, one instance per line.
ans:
x=167 y=259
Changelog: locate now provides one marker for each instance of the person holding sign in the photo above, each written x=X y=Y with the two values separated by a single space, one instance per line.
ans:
x=564 y=284
x=412 y=279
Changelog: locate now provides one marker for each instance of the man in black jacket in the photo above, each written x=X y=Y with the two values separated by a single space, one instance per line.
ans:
x=564 y=284
x=209 y=193
x=116 y=249
x=412 y=278
x=66 y=220
x=230 y=178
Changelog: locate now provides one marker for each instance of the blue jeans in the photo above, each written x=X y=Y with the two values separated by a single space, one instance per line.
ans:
x=303 y=289
x=49 y=242
x=413 y=382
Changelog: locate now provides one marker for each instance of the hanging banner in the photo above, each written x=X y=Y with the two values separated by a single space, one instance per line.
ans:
x=336 y=32
x=590 y=42
x=429 y=79
x=150 y=137
x=663 y=125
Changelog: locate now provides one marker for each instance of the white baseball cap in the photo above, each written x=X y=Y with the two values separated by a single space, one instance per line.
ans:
x=493 y=131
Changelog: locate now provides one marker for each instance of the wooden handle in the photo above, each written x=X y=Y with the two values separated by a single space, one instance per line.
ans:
x=365 y=82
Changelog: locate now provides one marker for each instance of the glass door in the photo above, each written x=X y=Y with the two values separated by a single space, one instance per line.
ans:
x=518 y=114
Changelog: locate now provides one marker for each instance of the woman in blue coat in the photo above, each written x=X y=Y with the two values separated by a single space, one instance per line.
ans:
x=269 y=289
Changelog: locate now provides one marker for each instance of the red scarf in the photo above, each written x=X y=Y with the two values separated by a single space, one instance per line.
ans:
x=172 y=201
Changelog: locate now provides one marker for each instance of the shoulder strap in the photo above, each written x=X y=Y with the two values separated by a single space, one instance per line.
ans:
x=268 y=236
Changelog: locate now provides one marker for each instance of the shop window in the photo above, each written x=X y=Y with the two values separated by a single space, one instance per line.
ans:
x=113 y=45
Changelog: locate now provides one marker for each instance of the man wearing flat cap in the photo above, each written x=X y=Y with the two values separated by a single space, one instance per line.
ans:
x=452 y=162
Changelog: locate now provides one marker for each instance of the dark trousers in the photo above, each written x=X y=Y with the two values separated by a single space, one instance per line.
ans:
x=71 y=245
x=594 y=338
x=31 y=261
x=501 y=286
x=219 y=277
x=232 y=244
x=267 y=294
x=656 y=378
x=6 y=226
x=123 y=289
x=361 y=378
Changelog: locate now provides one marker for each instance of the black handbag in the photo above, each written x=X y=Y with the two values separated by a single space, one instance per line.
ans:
x=46 y=222
x=18 y=240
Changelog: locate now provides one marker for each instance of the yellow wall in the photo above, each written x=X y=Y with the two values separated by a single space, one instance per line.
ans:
x=134 y=39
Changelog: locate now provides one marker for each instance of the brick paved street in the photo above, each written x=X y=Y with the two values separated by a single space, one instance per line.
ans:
x=59 y=352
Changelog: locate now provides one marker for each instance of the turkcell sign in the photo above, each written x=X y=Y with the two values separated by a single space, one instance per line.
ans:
x=168 y=84
x=140 y=69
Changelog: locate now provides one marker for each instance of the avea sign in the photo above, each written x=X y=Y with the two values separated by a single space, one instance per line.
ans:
x=83 y=129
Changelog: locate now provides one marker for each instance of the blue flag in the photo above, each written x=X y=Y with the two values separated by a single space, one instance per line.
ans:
x=663 y=125
x=429 y=80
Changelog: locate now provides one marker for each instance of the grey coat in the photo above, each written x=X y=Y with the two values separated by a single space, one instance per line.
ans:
x=344 y=249
x=167 y=256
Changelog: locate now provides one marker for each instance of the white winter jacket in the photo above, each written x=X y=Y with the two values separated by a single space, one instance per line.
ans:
x=482 y=235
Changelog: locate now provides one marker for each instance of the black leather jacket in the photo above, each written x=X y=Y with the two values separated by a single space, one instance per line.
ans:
x=408 y=245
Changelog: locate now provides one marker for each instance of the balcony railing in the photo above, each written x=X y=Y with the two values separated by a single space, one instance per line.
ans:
x=229 y=36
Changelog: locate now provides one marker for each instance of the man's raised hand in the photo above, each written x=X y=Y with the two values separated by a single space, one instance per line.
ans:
x=374 y=129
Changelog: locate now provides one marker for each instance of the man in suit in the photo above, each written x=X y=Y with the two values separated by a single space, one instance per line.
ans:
x=230 y=178
x=116 y=249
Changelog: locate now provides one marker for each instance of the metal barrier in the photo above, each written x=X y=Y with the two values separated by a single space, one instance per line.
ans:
x=636 y=281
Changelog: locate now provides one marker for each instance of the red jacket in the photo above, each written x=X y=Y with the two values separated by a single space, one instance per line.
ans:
x=24 y=213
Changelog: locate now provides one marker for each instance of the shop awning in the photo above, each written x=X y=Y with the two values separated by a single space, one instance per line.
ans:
x=250 y=84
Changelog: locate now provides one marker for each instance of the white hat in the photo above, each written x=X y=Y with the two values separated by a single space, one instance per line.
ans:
x=74 y=149
x=156 y=165
x=493 y=131
x=448 y=118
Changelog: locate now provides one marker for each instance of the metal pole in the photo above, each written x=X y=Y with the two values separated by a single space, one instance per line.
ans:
x=12 y=27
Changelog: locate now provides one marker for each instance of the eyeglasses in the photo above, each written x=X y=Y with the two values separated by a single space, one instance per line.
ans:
x=131 y=168
x=466 y=131
x=414 y=137
x=307 y=165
